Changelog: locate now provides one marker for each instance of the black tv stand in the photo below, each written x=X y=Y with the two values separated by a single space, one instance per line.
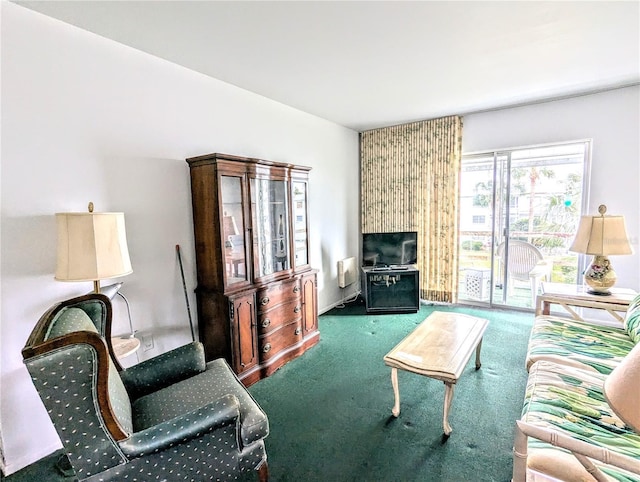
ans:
x=391 y=290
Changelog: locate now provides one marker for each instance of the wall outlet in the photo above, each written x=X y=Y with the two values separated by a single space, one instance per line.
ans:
x=147 y=342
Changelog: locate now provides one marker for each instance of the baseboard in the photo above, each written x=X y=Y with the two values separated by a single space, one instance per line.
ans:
x=339 y=302
x=24 y=461
x=434 y=303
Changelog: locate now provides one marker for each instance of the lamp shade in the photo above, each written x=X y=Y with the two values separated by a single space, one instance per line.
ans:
x=622 y=389
x=91 y=246
x=601 y=235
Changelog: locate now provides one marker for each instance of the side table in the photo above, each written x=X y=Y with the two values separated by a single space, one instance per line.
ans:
x=567 y=295
x=124 y=346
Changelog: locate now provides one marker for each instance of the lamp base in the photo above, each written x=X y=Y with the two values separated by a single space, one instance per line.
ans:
x=599 y=293
x=600 y=276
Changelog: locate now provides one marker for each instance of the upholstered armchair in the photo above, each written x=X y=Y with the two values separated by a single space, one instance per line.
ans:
x=171 y=418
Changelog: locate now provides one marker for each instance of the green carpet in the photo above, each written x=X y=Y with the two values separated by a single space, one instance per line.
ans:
x=330 y=410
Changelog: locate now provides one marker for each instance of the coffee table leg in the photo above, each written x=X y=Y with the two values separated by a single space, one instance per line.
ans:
x=478 y=348
x=448 y=396
x=394 y=381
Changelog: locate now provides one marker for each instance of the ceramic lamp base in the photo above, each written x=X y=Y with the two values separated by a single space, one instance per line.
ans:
x=600 y=276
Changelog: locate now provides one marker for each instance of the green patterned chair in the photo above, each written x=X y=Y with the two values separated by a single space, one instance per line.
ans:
x=171 y=418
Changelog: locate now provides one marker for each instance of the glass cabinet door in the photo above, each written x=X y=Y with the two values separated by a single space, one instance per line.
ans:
x=300 y=243
x=232 y=226
x=270 y=208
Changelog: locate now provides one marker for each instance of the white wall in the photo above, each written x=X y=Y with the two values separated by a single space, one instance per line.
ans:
x=87 y=119
x=612 y=120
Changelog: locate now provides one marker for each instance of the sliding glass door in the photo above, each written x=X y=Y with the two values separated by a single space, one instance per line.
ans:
x=519 y=210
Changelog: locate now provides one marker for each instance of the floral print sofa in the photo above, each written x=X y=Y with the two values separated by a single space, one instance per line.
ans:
x=565 y=409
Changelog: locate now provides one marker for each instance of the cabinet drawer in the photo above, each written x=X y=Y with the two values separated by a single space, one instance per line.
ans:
x=276 y=341
x=279 y=316
x=272 y=296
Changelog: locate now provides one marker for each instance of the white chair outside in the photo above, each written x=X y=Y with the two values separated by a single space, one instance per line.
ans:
x=525 y=263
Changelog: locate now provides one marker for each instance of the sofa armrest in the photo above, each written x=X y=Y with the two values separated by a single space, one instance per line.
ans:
x=164 y=370
x=219 y=413
x=582 y=451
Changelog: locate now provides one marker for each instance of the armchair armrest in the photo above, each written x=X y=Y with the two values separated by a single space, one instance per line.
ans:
x=547 y=265
x=164 y=370
x=222 y=412
x=582 y=451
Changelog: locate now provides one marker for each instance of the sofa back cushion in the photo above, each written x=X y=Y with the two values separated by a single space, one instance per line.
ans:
x=632 y=320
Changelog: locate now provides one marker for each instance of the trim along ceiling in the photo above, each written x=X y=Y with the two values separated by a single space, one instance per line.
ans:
x=368 y=64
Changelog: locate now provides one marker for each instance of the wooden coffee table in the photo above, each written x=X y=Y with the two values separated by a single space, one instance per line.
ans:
x=438 y=348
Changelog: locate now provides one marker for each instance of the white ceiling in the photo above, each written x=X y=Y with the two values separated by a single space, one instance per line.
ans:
x=368 y=64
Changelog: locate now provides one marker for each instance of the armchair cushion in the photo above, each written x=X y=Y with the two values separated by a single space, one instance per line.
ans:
x=182 y=428
x=164 y=370
x=198 y=391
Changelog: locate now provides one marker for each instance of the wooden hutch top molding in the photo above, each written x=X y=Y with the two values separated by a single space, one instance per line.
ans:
x=207 y=158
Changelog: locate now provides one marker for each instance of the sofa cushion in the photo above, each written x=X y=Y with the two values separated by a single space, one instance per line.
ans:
x=571 y=401
x=577 y=343
x=216 y=381
x=632 y=320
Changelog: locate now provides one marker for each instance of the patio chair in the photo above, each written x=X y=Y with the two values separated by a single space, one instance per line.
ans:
x=525 y=263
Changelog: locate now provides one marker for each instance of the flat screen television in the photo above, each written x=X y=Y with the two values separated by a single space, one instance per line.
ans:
x=390 y=249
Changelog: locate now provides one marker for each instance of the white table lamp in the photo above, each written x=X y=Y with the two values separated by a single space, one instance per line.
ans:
x=601 y=236
x=91 y=246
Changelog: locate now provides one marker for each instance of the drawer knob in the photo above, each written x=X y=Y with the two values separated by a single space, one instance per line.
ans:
x=267 y=348
x=296 y=289
x=266 y=322
x=296 y=309
x=264 y=301
x=298 y=331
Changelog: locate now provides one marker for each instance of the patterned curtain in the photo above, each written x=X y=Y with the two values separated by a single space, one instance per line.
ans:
x=409 y=182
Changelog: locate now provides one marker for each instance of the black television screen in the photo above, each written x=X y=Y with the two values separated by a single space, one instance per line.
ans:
x=390 y=249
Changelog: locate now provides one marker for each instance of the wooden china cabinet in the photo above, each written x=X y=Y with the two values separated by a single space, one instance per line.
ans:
x=256 y=293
